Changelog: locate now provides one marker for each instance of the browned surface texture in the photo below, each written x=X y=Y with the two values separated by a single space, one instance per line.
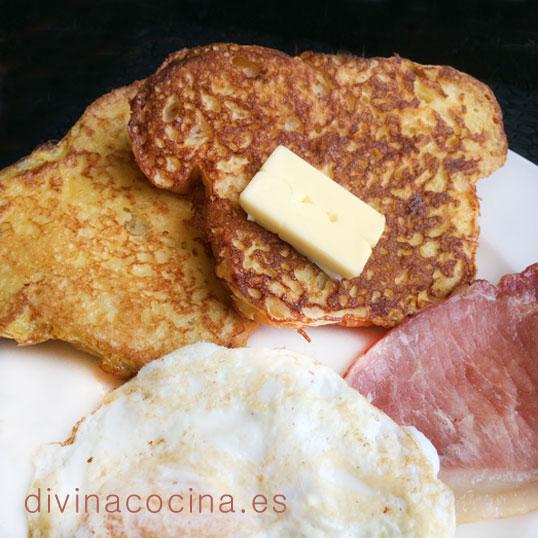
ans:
x=410 y=140
x=93 y=254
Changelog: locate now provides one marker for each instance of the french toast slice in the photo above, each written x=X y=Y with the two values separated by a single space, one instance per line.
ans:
x=93 y=254
x=410 y=140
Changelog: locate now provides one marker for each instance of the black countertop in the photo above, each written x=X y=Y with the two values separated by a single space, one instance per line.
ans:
x=55 y=61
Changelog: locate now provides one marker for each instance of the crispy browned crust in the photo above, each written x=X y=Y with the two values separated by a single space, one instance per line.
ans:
x=93 y=254
x=410 y=140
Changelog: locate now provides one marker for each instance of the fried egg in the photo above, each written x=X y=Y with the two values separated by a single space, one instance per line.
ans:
x=214 y=442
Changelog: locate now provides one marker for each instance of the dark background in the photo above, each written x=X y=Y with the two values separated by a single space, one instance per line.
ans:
x=55 y=60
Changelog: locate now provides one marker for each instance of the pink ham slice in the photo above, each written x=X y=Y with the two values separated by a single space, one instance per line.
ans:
x=465 y=373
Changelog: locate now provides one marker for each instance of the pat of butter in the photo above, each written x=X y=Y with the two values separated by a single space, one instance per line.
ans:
x=314 y=214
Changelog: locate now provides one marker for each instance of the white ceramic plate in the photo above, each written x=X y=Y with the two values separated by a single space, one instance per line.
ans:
x=45 y=389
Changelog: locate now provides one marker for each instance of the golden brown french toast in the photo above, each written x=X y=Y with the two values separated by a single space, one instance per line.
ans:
x=93 y=254
x=410 y=140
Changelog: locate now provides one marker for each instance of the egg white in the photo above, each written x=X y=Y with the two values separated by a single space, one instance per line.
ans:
x=243 y=422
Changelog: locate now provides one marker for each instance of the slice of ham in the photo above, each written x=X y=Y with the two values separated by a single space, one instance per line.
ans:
x=465 y=373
